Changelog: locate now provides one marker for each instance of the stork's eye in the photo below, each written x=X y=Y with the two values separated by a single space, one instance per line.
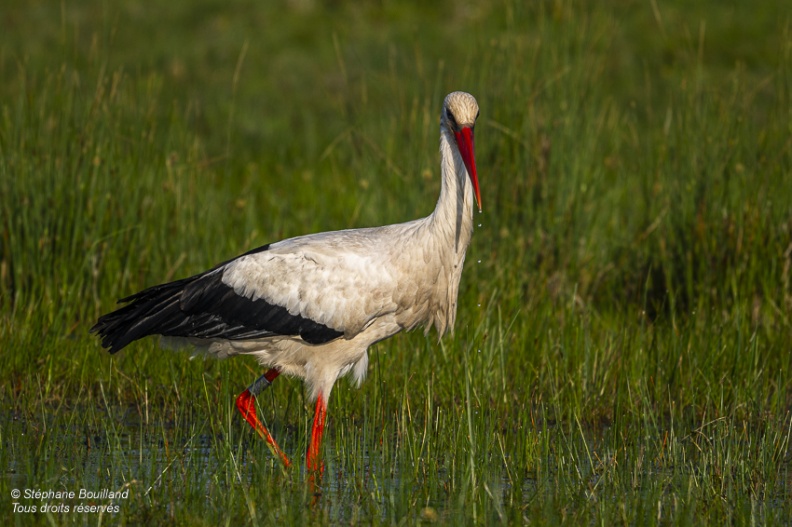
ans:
x=450 y=117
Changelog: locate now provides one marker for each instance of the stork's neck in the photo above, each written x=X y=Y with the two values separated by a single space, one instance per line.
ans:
x=452 y=219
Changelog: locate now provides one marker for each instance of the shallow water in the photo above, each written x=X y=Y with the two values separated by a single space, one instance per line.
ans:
x=167 y=467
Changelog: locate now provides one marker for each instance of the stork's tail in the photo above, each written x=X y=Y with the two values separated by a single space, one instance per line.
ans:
x=147 y=313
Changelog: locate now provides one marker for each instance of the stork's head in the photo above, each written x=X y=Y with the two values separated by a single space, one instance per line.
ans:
x=460 y=111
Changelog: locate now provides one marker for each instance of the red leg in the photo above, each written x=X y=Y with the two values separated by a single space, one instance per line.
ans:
x=246 y=404
x=317 y=430
x=312 y=456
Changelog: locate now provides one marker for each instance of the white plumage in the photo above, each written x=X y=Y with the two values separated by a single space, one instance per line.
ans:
x=311 y=306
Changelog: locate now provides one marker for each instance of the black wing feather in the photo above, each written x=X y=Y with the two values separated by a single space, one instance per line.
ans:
x=202 y=306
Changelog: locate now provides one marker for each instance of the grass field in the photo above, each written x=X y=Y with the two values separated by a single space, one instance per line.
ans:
x=622 y=348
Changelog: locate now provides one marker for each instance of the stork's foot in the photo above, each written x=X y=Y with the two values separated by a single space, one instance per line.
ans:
x=246 y=404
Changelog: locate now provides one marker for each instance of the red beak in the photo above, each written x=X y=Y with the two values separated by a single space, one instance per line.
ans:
x=464 y=139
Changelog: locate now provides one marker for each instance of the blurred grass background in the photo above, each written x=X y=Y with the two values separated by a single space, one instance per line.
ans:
x=622 y=352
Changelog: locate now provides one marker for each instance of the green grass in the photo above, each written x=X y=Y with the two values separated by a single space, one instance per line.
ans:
x=622 y=349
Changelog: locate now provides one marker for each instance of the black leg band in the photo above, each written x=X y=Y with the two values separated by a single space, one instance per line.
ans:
x=259 y=386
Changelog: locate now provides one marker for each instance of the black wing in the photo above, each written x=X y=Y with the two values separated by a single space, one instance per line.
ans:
x=202 y=306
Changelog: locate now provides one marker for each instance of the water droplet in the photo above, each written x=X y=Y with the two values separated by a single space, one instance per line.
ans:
x=479 y=351
x=479 y=305
x=479 y=225
x=479 y=261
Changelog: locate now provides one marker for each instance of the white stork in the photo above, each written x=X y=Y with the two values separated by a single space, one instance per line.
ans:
x=311 y=306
